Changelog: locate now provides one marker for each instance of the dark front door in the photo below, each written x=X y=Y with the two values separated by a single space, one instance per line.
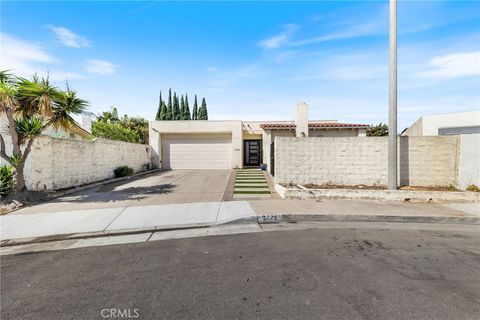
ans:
x=252 y=152
x=272 y=159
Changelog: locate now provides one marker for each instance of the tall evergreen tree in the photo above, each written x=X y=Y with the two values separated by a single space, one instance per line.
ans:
x=195 y=109
x=186 y=115
x=169 y=110
x=174 y=98
x=205 y=110
x=176 y=108
x=159 y=110
x=182 y=108
x=203 y=113
x=163 y=111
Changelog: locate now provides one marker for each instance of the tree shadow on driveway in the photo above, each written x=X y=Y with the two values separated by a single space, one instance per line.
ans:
x=111 y=193
x=117 y=188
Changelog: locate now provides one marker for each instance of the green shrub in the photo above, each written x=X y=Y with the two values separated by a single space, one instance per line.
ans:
x=6 y=180
x=451 y=187
x=123 y=171
x=473 y=187
x=114 y=131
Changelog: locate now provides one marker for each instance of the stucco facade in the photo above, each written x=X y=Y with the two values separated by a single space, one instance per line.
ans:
x=445 y=124
x=160 y=130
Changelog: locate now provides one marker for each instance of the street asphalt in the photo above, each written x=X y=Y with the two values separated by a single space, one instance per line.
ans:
x=318 y=273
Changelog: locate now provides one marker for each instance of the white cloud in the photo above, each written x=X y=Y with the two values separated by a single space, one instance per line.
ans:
x=453 y=65
x=26 y=58
x=374 y=27
x=280 y=39
x=58 y=75
x=70 y=39
x=21 y=56
x=213 y=69
x=100 y=67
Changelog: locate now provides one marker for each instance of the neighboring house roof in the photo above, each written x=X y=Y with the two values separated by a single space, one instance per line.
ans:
x=80 y=131
x=314 y=125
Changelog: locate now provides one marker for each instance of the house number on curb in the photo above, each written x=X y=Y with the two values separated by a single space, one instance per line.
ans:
x=269 y=218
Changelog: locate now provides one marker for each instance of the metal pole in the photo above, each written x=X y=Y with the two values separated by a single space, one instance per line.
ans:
x=392 y=101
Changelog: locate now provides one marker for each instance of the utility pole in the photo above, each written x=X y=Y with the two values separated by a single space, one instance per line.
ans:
x=392 y=100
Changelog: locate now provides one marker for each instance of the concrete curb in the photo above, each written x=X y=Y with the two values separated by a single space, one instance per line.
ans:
x=260 y=219
x=303 y=193
x=276 y=218
x=121 y=232
x=89 y=235
x=57 y=194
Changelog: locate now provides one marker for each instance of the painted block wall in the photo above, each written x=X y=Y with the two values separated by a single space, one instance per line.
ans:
x=61 y=163
x=423 y=161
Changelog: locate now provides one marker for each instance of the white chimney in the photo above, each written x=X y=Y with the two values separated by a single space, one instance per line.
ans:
x=301 y=120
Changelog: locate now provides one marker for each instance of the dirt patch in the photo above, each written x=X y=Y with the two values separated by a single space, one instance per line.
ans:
x=338 y=186
x=419 y=188
x=366 y=187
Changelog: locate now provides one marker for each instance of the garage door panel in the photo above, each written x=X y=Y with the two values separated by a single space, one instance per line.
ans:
x=197 y=153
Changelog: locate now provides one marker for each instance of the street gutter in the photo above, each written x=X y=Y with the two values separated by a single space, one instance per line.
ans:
x=260 y=219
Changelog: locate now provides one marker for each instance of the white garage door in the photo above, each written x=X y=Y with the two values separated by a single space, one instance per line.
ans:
x=198 y=152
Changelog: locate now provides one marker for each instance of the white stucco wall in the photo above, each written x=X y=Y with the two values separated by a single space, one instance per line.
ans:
x=429 y=125
x=423 y=161
x=301 y=120
x=56 y=163
x=416 y=129
x=157 y=129
x=469 y=162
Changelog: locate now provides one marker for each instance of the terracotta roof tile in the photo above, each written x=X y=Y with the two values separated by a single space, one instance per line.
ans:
x=313 y=125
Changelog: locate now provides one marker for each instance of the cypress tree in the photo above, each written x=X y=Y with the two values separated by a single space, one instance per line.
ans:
x=200 y=113
x=203 y=113
x=182 y=108
x=187 y=109
x=163 y=111
x=169 y=110
x=176 y=108
x=195 y=109
x=159 y=110
x=174 y=111
x=205 y=109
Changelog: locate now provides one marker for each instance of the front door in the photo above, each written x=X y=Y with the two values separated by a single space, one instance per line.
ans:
x=252 y=153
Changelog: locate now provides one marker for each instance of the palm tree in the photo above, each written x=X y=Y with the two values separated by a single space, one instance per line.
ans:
x=30 y=107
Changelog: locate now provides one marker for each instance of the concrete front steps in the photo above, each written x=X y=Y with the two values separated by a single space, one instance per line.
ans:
x=250 y=183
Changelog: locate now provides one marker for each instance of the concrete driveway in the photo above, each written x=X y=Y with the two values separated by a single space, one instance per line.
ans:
x=166 y=187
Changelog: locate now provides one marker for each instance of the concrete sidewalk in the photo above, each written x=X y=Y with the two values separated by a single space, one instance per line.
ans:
x=365 y=207
x=122 y=219
x=19 y=228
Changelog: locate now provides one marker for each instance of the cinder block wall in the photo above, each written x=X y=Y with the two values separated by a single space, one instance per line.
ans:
x=423 y=161
x=61 y=163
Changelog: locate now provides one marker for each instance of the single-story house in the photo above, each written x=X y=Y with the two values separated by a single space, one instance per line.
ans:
x=445 y=124
x=207 y=144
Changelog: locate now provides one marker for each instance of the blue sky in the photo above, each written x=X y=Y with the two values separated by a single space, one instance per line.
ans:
x=252 y=60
